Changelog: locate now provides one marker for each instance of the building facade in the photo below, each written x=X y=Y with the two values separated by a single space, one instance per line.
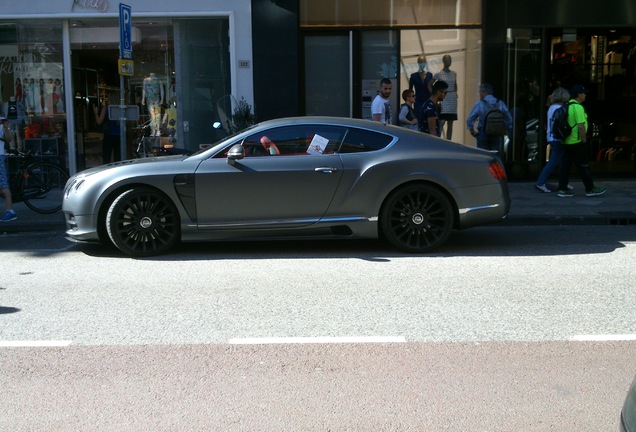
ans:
x=310 y=57
x=59 y=62
x=524 y=48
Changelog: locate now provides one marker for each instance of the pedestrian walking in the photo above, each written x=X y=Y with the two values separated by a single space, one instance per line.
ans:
x=559 y=97
x=492 y=118
x=381 y=105
x=429 y=117
x=575 y=147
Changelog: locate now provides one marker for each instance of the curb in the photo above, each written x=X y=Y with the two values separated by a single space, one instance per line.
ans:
x=555 y=220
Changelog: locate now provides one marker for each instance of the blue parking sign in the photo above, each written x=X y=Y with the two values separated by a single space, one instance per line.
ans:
x=125 y=28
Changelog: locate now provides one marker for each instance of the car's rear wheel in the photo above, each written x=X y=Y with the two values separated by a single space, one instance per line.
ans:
x=143 y=222
x=417 y=218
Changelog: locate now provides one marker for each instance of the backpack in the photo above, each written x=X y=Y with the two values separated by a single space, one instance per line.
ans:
x=561 y=129
x=495 y=120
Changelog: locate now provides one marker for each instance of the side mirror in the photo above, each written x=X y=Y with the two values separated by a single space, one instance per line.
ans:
x=235 y=153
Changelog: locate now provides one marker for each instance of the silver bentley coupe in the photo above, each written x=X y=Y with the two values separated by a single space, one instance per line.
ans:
x=305 y=177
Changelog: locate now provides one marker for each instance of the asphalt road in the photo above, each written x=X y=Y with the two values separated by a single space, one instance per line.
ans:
x=504 y=329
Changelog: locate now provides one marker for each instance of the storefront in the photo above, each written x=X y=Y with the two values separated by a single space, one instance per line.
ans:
x=349 y=46
x=549 y=44
x=523 y=48
x=58 y=65
x=58 y=60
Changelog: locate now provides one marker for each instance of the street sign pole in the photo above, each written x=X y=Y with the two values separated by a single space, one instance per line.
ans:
x=125 y=52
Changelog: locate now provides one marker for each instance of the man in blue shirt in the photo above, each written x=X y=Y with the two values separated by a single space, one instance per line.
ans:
x=478 y=114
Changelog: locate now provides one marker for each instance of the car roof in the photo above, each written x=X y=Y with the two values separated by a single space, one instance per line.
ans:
x=343 y=121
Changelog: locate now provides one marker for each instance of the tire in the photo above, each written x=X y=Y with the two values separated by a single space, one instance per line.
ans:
x=143 y=222
x=42 y=187
x=417 y=218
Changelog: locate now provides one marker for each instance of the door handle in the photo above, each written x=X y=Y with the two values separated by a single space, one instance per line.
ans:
x=326 y=170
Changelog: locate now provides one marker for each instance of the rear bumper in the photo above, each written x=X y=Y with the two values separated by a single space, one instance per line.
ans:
x=475 y=212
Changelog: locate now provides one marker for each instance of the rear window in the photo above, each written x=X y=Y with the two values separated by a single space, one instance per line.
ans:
x=360 y=140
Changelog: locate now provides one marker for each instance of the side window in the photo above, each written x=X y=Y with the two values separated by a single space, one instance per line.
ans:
x=359 y=140
x=295 y=141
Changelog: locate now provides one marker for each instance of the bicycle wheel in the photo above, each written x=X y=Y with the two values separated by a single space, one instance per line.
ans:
x=42 y=187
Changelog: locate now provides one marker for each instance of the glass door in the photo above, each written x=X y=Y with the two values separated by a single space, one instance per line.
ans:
x=524 y=99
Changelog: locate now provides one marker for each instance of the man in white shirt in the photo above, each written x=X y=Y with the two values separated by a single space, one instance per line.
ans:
x=381 y=106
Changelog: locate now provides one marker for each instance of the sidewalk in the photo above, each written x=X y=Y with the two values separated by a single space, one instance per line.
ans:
x=533 y=207
x=529 y=207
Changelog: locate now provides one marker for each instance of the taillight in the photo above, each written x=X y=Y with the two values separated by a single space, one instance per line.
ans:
x=497 y=170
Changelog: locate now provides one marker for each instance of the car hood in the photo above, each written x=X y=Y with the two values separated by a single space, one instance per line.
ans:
x=129 y=162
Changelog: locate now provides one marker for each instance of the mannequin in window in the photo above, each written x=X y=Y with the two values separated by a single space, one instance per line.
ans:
x=449 y=104
x=29 y=89
x=420 y=81
x=152 y=95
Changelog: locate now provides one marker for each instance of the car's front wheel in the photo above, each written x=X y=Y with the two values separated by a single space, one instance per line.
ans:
x=417 y=218
x=143 y=222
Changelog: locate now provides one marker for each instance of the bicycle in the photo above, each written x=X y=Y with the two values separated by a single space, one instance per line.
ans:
x=145 y=142
x=40 y=184
x=151 y=146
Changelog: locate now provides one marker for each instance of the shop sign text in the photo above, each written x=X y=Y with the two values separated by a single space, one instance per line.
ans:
x=100 y=5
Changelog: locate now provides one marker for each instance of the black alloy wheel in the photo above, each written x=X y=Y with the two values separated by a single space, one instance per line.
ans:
x=417 y=218
x=143 y=222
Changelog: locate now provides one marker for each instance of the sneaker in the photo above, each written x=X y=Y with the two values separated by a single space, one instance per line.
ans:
x=565 y=193
x=543 y=188
x=9 y=216
x=595 y=192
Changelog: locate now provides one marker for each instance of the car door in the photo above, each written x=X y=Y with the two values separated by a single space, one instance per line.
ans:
x=293 y=188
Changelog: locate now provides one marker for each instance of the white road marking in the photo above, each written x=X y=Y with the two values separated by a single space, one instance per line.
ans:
x=603 y=338
x=316 y=340
x=34 y=344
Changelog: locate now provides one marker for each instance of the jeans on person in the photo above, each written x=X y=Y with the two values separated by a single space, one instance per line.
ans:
x=575 y=154
x=556 y=154
x=4 y=177
x=492 y=143
x=110 y=145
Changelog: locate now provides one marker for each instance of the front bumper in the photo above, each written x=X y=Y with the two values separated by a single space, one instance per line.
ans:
x=81 y=229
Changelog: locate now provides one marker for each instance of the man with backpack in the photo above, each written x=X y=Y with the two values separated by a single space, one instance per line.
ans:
x=575 y=147
x=556 y=133
x=493 y=120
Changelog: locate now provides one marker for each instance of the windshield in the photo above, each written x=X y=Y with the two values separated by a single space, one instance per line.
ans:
x=222 y=140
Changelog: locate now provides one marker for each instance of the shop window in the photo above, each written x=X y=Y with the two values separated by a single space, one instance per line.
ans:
x=205 y=79
x=423 y=53
x=33 y=87
x=96 y=82
x=604 y=61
